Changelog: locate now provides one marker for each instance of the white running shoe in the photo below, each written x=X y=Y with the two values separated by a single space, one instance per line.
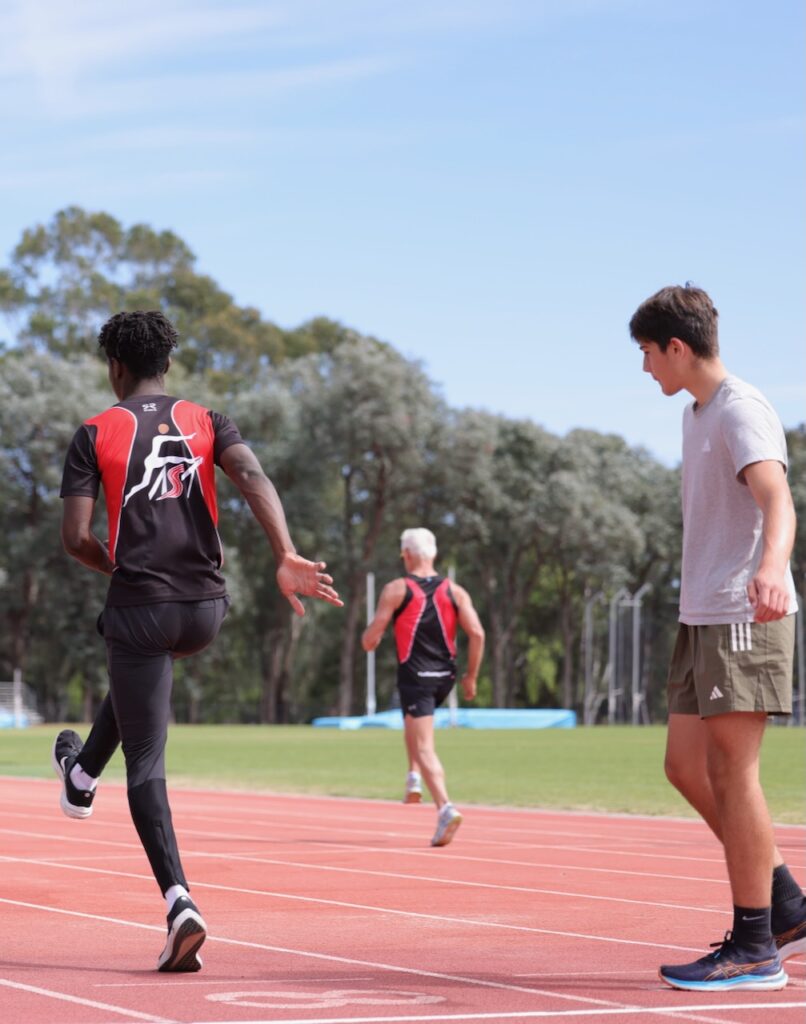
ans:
x=414 y=789
x=448 y=820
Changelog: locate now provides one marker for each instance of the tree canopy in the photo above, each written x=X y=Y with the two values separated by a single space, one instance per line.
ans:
x=360 y=444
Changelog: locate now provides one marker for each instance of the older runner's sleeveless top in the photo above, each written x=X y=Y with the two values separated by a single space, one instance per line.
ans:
x=425 y=631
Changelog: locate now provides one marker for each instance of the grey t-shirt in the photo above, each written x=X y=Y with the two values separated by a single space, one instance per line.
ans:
x=722 y=524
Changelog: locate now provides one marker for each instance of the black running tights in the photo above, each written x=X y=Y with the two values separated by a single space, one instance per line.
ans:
x=142 y=643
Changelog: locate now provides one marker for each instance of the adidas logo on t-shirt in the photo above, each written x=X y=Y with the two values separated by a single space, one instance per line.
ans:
x=707 y=446
x=716 y=693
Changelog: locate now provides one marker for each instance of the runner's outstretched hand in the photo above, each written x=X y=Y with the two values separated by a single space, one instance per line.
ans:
x=297 y=575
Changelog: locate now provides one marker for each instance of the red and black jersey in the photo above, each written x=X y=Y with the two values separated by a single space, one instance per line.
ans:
x=155 y=458
x=425 y=630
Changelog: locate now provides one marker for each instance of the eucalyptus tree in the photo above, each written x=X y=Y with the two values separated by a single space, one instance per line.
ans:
x=495 y=471
x=65 y=278
x=367 y=416
x=42 y=401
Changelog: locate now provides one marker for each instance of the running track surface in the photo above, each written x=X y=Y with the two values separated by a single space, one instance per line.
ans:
x=331 y=910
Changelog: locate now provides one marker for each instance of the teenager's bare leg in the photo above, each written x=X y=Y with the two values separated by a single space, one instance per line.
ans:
x=687 y=770
x=733 y=750
x=420 y=734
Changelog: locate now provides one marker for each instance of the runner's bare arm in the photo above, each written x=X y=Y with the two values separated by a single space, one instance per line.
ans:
x=295 y=574
x=390 y=600
x=77 y=537
x=767 y=590
x=471 y=624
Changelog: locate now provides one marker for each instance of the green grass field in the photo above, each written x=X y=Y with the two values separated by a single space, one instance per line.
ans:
x=607 y=769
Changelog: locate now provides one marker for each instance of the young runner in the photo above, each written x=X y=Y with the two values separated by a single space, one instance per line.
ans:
x=155 y=457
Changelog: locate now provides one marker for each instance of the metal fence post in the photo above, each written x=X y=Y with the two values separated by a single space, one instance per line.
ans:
x=612 y=653
x=637 y=692
x=371 y=702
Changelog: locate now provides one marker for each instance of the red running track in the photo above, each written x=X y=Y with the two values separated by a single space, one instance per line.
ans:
x=330 y=910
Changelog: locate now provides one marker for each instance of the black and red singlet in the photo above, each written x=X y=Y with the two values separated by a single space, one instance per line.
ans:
x=155 y=457
x=425 y=631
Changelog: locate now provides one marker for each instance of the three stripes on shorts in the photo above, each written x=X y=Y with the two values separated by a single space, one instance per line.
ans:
x=740 y=636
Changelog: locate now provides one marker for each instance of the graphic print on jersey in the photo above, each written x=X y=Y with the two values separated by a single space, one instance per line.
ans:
x=156 y=463
x=168 y=481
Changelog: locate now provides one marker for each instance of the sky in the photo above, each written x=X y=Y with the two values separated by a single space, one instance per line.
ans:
x=492 y=186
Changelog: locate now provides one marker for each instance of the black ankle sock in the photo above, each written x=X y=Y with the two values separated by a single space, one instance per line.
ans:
x=784 y=886
x=751 y=926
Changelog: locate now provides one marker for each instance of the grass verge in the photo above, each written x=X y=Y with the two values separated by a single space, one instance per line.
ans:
x=617 y=769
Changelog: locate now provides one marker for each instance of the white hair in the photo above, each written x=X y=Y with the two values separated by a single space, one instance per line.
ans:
x=419 y=541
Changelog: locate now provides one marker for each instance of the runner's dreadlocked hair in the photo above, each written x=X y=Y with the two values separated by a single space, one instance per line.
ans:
x=142 y=341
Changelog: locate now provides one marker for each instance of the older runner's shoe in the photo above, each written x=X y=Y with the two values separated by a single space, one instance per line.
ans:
x=414 y=789
x=728 y=968
x=448 y=820
x=75 y=802
x=186 y=933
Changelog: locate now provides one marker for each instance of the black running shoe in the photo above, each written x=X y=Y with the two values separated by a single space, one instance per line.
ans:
x=791 y=941
x=728 y=968
x=186 y=933
x=75 y=802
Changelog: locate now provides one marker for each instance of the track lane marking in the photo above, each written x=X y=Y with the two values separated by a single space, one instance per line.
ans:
x=526 y=1015
x=467 y=840
x=64 y=997
x=330 y=957
x=415 y=915
x=50 y=862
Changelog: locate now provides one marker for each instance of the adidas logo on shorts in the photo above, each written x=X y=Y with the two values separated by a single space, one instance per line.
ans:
x=716 y=693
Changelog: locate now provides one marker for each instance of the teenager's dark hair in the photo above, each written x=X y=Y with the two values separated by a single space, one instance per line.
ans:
x=142 y=341
x=683 y=312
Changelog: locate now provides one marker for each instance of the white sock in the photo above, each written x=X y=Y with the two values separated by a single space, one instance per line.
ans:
x=81 y=780
x=413 y=777
x=173 y=894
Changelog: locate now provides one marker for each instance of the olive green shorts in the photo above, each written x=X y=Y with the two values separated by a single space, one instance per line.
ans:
x=745 y=666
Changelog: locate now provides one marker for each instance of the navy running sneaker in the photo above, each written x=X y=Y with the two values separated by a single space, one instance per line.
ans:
x=729 y=967
x=791 y=941
x=186 y=933
x=75 y=802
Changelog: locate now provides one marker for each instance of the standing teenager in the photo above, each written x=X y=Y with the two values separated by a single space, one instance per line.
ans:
x=732 y=663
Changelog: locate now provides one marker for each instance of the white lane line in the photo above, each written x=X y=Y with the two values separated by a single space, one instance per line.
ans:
x=332 y=958
x=446 y=880
x=268 y=798
x=412 y=914
x=64 y=997
x=294 y=979
x=384 y=874
x=321 y=867
x=600 y=852
x=662 y=1011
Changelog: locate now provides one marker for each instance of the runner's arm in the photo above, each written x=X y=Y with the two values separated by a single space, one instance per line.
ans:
x=390 y=600
x=295 y=574
x=77 y=537
x=471 y=624
x=767 y=590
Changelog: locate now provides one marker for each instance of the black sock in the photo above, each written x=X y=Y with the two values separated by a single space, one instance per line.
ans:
x=784 y=886
x=788 y=901
x=751 y=926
